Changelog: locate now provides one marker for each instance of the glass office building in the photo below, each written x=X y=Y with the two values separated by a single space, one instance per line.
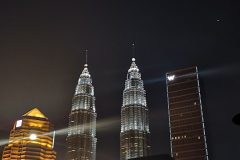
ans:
x=187 y=131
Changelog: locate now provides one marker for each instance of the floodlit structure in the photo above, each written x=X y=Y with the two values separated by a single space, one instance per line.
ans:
x=32 y=137
x=81 y=139
x=134 y=136
x=187 y=131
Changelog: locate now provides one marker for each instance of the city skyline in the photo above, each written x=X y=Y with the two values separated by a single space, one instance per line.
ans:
x=41 y=58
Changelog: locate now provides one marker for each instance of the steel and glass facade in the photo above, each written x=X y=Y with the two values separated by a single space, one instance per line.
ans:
x=81 y=139
x=134 y=136
x=187 y=131
x=32 y=137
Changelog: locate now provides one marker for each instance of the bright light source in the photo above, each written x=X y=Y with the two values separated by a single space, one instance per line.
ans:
x=19 y=123
x=33 y=136
x=171 y=78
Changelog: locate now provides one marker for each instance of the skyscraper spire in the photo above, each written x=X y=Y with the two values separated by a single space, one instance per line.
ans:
x=81 y=139
x=86 y=55
x=133 y=50
x=134 y=136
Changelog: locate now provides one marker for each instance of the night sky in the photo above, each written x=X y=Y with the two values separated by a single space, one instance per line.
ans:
x=41 y=58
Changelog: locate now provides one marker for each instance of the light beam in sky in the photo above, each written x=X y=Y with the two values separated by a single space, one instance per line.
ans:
x=102 y=125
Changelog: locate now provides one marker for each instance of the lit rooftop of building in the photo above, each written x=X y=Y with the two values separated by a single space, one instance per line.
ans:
x=35 y=113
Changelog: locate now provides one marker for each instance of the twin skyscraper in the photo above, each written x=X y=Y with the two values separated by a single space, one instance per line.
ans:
x=32 y=136
x=81 y=139
x=186 y=123
x=134 y=136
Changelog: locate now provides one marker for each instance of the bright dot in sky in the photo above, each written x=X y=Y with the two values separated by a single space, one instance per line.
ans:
x=33 y=137
x=218 y=20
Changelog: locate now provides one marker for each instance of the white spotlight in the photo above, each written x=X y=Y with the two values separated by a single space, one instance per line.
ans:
x=33 y=137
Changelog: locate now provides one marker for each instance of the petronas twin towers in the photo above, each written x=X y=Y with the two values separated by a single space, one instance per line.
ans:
x=134 y=135
x=81 y=139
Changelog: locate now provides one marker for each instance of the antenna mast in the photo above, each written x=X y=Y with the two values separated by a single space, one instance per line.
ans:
x=86 y=56
x=133 y=50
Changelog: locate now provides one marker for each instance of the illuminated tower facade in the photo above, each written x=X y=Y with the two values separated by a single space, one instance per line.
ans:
x=187 y=131
x=32 y=137
x=134 y=136
x=81 y=139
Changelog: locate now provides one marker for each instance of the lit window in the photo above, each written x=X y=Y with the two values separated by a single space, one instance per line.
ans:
x=19 y=123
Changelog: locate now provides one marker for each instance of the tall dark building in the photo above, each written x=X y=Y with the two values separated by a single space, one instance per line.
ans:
x=81 y=139
x=134 y=136
x=187 y=131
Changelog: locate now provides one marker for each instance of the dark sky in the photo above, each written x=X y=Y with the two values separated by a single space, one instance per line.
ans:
x=40 y=61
